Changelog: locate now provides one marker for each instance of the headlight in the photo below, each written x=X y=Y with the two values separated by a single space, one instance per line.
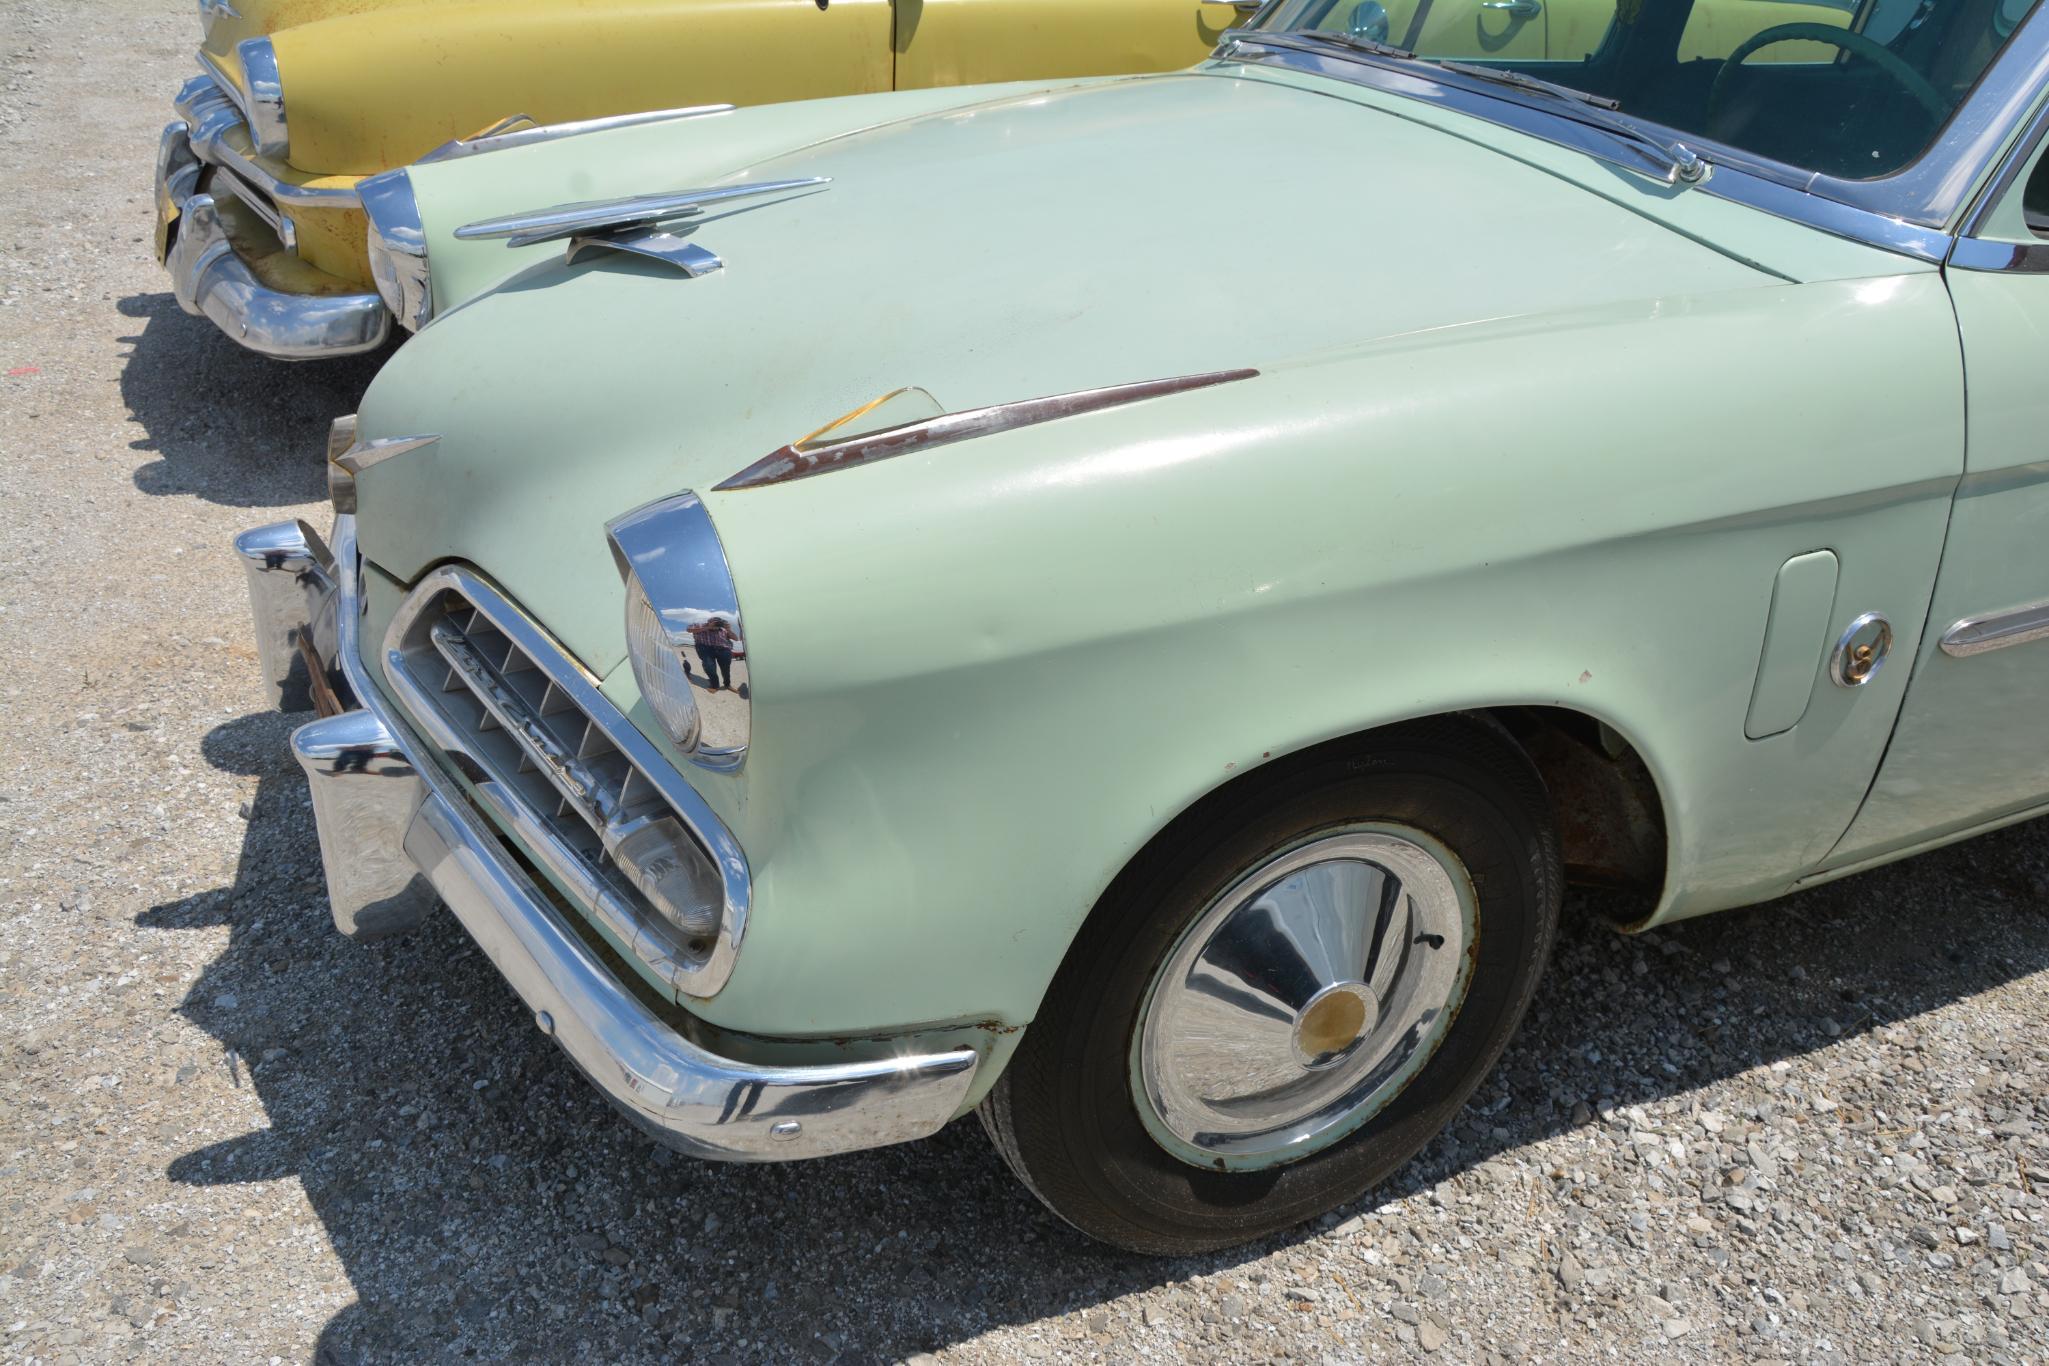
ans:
x=660 y=671
x=683 y=632
x=264 y=100
x=398 y=248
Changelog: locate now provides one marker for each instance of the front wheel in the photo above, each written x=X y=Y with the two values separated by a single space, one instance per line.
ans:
x=1289 y=993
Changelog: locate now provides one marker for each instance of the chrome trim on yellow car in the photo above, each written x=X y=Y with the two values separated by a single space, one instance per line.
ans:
x=1999 y=631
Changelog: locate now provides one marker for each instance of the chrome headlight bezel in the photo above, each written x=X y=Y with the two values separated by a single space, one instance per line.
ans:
x=397 y=245
x=669 y=553
x=264 y=98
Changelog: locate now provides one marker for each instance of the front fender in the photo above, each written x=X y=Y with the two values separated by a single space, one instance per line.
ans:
x=1002 y=667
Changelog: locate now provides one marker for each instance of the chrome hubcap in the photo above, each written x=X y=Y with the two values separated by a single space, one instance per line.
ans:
x=1304 y=998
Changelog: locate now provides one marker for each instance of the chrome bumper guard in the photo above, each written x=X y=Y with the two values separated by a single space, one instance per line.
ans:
x=210 y=280
x=395 y=834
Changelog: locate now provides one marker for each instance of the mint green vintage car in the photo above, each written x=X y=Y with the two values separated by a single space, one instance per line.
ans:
x=1121 y=605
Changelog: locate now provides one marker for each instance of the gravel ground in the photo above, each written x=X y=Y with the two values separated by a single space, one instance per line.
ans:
x=1810 y=1132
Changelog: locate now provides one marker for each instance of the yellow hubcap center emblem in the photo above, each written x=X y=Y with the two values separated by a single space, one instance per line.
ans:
x=1333 y=1022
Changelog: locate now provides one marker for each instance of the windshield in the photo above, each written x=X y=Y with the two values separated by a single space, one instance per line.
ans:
x=1849 y=88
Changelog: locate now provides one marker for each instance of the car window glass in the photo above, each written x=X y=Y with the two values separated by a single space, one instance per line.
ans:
x=1854 y=92
x=1884 y=19
x=2035 y=198
x=1714 y=30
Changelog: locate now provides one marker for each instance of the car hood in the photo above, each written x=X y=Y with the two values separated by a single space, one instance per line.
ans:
x=1035 y=244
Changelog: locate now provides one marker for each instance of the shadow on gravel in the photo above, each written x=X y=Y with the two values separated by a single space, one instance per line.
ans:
x=223 y=423
x=485 y=1202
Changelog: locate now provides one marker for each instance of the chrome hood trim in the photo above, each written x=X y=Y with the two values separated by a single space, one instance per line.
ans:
x=801 y=461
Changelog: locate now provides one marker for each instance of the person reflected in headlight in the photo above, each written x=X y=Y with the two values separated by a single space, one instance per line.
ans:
x=715 y=641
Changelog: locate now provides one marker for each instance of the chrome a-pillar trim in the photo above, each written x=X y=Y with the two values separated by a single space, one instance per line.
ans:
x=264 y=98
x=1999 y=631
x=672 y=549
x=689 y=1098
x=1992 y=257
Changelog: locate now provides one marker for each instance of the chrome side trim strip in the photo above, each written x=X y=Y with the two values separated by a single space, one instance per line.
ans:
x=799 y=461
x=266 y=97
x=1982 y=635
x=512 y=135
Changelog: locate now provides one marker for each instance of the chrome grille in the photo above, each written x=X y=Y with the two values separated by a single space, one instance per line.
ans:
x=560 y=768
x=210 y=110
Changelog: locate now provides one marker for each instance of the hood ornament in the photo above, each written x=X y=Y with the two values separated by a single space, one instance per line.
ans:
x=632 y=225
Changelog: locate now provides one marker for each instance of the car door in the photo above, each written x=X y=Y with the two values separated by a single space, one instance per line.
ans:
x=966 y=42
x=1972 y=745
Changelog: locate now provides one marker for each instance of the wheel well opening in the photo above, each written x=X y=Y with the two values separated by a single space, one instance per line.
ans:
x=1611 y=822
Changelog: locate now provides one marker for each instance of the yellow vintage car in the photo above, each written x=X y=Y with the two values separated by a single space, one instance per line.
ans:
x=258 y=217
x=261 y=223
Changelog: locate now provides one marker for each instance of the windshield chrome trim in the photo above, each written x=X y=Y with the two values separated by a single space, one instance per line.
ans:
x=2019 y=151
x=1907 y=212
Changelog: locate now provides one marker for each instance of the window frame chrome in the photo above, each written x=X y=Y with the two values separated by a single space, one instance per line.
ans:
x=1990 y=255
x=1910 y=212
x=700 y=980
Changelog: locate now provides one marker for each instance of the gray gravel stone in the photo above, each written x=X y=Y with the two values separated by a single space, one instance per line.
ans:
x=1728 y=1124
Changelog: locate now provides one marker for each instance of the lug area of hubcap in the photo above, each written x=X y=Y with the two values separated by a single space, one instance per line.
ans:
x=1304 y=998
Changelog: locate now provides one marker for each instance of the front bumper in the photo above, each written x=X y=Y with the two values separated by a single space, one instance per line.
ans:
x=209 y=273
x=396 y=834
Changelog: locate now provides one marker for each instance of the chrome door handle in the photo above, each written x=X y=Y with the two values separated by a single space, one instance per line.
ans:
x=1521 y=9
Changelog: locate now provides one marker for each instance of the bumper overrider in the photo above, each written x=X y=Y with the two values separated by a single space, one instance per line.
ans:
x=220 y=213
x=397 y=834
